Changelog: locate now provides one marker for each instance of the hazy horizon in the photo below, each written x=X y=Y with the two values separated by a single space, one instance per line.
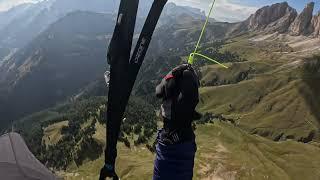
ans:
x=225 y=10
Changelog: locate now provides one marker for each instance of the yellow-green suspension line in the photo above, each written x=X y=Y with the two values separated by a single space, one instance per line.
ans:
x=191 y=56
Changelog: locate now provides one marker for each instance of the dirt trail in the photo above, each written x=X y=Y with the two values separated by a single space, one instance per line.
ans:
x=219 y=172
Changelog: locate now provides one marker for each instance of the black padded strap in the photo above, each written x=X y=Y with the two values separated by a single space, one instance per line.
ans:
x=123 y=72
x=118 y=57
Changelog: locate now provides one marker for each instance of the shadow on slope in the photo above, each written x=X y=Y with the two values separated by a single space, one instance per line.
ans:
x=311 y=92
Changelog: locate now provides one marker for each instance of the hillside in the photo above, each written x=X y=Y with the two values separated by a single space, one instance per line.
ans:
x=271 y=97
x=231 y=152
x=51 y=68
x=25 y=22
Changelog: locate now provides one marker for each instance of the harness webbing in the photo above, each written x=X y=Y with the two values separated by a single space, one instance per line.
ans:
x=123 y=68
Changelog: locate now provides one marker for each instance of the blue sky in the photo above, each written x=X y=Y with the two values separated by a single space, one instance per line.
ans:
x=225 y=10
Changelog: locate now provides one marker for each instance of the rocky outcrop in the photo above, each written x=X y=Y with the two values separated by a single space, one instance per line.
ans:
x=281 y=18
x=276 y=17
x=315 y=23
x=301 y=25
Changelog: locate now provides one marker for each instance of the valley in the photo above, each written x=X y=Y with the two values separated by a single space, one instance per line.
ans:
x=273 y=132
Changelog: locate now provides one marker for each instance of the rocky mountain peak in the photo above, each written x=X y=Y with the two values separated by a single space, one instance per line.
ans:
x=282 y=18
x=301 y=25
x=315 y=24
x=279 y=12
x=172 y=9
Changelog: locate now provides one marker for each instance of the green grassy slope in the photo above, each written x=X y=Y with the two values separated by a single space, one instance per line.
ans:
x=269 y=95
x=52 y=133
x=224 y=152
x=270 y=107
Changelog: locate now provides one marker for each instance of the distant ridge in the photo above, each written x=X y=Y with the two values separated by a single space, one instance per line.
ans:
x=282 y=18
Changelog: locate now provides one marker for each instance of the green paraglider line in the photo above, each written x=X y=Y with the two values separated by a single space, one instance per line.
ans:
x=191 y=56
x=208 y=58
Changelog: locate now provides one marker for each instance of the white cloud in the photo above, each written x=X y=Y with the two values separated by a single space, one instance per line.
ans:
x=7 y=4
x=225 y=10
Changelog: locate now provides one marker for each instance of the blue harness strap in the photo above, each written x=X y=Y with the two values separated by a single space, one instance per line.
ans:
x=174 y=162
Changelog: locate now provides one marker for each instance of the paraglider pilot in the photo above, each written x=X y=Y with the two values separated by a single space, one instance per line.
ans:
x=176 y=147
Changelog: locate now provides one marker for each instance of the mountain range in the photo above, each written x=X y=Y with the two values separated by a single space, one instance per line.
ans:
x=22 y=23
x=79 y=37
